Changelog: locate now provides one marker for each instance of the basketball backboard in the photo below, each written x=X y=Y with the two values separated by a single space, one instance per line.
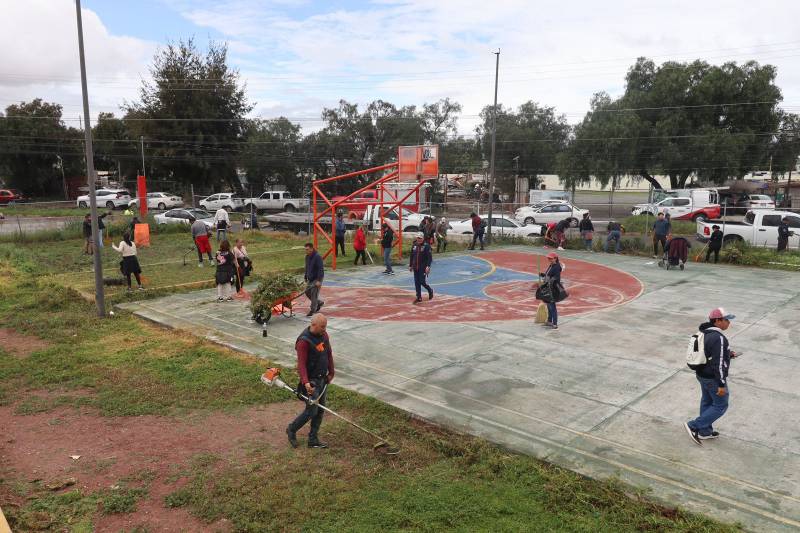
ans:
x=417 y=163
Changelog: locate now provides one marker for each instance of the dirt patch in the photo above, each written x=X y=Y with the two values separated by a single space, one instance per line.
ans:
x=112 y=450
x=19 y=344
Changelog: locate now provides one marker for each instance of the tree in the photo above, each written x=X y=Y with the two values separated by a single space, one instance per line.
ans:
x=786 y=144
x=191 y=115
x=533 y=133
x=439 y=121
x=271 y=152
x=114 y=149
x=679 y=119
x=33 y=137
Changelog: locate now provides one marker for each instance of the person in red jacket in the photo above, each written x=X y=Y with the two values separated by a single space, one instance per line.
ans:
x=359 y=245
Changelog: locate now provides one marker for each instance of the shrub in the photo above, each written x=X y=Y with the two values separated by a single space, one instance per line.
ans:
x=272 y=289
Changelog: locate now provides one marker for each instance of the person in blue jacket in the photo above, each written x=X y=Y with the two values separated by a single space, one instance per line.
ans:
x=420 y=264
x=713 y=376
x=341 y=229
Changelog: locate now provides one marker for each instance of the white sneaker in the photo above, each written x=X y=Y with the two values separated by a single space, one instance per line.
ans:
x=199 y=265
x=560 y=249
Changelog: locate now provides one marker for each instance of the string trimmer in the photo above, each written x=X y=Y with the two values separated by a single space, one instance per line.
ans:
x=272 y=378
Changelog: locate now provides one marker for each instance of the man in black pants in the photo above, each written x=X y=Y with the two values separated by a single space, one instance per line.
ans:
x=419 y=263
x=315 y=366
x=784 y=234
x=661 y=228
x=714 y=244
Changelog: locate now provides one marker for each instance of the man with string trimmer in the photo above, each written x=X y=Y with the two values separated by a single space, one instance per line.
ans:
x=315 y=367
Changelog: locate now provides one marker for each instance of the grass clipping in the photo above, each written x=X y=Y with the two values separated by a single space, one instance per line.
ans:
x=274 y=289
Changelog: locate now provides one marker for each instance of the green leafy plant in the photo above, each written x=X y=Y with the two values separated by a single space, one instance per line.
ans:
x=271 y=290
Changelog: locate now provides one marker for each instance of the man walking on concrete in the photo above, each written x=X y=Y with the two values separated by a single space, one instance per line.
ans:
x=420 y=264
x=441 y=235
x=661 y=228
x=713 y=376
x=315 y=272
x=315 y=367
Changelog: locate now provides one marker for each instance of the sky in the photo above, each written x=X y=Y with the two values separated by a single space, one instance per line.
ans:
x=298 y=56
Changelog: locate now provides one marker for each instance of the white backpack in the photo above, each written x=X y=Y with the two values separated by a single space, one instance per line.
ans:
x=696 y=352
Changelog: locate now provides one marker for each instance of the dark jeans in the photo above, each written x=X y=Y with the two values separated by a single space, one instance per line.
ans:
x=387 y=259
x=362 y=254
x=782 y=244
x=339 y=244
x=659 y=239
x=312 y=412
x=613 y=235
x=200 y=255
x=712 y=407
x=477 y=236
x=552 y=313
x=420 y=280
x=441 y=244
x=136 y=275
x=715 y=251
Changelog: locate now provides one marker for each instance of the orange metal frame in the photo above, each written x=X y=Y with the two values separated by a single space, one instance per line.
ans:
x=385 y=205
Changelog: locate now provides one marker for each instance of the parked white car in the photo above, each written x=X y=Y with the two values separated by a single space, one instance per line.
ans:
x=226 y=200
x=181 y=216
x=550 y=212
x=159 y=200
x=110 y=198
x=503 y=225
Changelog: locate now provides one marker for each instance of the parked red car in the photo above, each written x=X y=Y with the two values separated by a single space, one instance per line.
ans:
x=10 y=196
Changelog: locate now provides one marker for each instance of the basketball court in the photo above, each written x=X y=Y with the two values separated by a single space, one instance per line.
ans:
x=605 y=395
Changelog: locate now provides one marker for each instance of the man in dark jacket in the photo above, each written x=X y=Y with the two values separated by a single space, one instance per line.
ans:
x=478 y=229
x=315 y=272
x=420 y=264
x=341 y=229
x=315 y=367
x=714 y=244
x=88 y=248
x=784 y=234
x=713 y=376
x=387 y=240
x=586 y=227
x=661 y=228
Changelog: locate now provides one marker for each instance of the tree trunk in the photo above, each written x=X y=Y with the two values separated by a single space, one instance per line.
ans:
x=682 y=179
x=646 y=175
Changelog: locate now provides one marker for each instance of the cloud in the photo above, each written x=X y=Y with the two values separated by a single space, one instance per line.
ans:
x=412 y=51
x=40 y=59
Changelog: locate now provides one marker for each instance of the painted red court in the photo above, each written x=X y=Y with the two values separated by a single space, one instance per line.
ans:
x=489 y=286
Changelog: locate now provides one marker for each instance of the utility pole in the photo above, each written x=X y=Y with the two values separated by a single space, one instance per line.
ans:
x=98 y=263
x=494 y=138
x=144 y=172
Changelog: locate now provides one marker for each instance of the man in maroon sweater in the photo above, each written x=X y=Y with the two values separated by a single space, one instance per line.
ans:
x=315 y=367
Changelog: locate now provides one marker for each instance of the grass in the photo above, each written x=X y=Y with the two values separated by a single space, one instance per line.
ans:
x=124 y=367
x=58 y=209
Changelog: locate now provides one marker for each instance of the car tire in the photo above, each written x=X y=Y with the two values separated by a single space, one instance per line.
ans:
x=411 y=229
x=529 y=220
x=162 y=206
x=82 y=205
x=731 y=239
x=289 y=208
x=110 y=204
x=699 y=218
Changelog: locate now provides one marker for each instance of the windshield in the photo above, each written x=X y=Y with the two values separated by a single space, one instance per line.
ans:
x=199 y=213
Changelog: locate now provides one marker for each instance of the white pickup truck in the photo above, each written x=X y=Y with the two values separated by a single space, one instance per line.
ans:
x=759 y=228
x=275 y=200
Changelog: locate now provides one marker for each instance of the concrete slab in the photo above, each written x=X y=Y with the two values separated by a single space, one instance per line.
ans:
x=605 y=395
